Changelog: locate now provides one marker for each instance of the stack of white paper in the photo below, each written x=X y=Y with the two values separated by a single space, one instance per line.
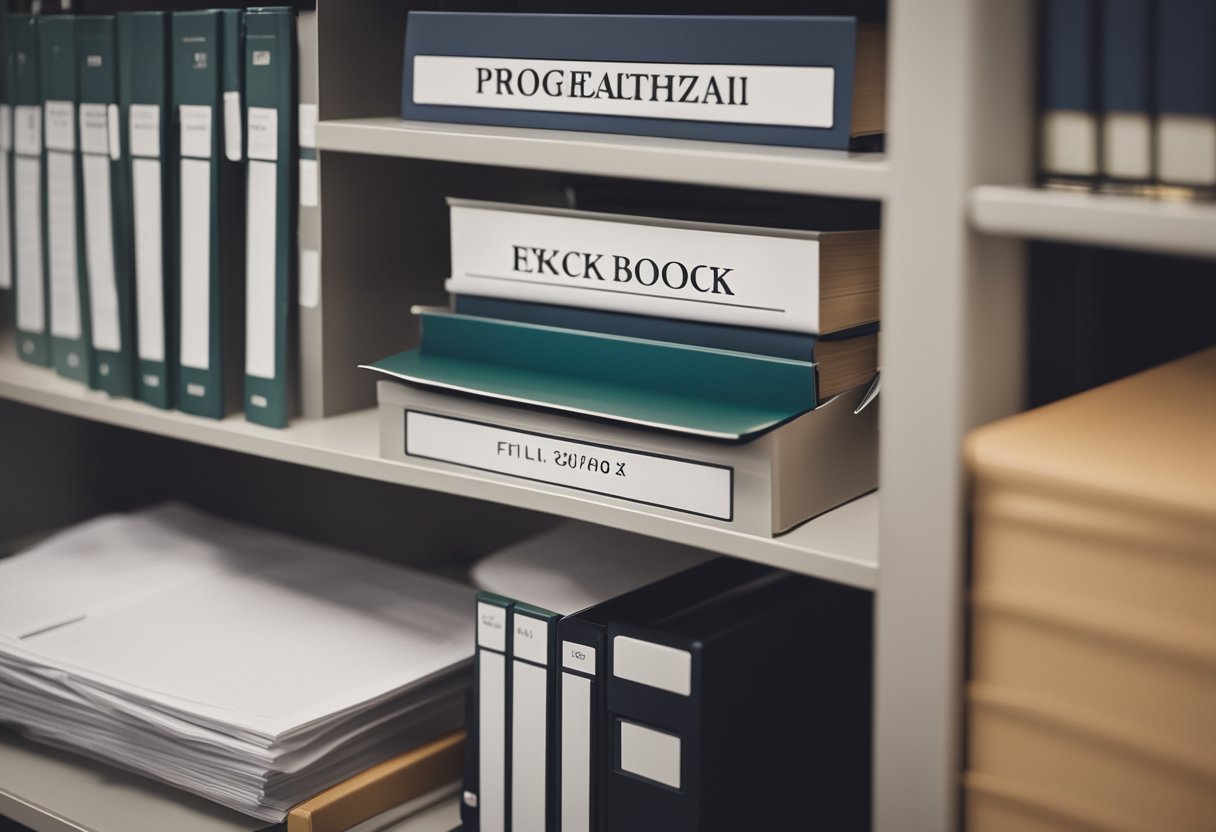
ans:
x=244 y=666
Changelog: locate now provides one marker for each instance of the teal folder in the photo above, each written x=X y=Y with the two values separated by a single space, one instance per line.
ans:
x=270 y=76
x=149 y=138
x=62 y=216
x=209 y=257
x=106 y=208
x=31 y=300
x=695 y=390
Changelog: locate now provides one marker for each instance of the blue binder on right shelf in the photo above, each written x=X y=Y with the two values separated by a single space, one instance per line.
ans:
x=748 y=712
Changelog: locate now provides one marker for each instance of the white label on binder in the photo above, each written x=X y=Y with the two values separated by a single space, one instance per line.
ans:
x=492 y=741
x=112 y=123
x=144 y=130
x=31 y=308
x=648 y=753
x=576 y=754
x=27 y=130
x=94 y=129
x=757 y=277
x=195 y=136
x=195 y=241
x=263 y=134
x=529 y=745
x=491 y=627
x=61 y=244
x=60 y=125
x=6 y=127
x=580 y=657
x=654 y=665
x=260 y=219
x=308 y=126
x=788 y=96
x=309 y=187
x=6 y=243
x=149 y=258
x=99 y=254
x=310 y=278
x=693 y=487
x=232 y=126
x=530 y=639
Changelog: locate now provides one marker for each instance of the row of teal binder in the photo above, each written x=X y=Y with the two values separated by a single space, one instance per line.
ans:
x=153 y=204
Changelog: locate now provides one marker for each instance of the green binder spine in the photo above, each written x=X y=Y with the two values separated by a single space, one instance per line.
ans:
x=107 y=208
x=270 y=75
x=147 y=134
x=208 y=219
x=6 y=176
x=63 y=222
x=30 y=284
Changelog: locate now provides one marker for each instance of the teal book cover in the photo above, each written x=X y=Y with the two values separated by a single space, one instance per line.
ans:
x=107 y=210
x=63 y=220
x=143 y=94
x=270 y=76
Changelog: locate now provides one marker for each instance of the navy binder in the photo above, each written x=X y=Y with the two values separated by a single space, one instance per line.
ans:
x=1068 y=141
x=748 y=712
x=1186 y=95
x=1124 y=99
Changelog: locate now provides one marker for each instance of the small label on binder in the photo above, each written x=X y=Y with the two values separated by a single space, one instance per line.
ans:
x=580 y=657
x=6 y=127
x=263 y=134
x=27 y=130
x=112 y=118
x=60 y=125
x=692 y=487
x=232 y=126
x=195 y=130
x=531 y=638
x=492 y=627
x=94 y=132
x=144 y=130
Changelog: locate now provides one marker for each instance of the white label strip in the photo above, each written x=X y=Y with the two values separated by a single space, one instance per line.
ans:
x=27 y=130
x=308 y=126
x=677 y=484
x=492 y=741
x=112 y=124
x=149 y=258
x=31 y=303
x=61 y=243
x=195 y=134
x=144 y=130
x=576 y=754
x=232 y=126
x=94 y=129
x=60 y=125
x=788 y=96
x=263 y=134
x=310 y=278
x=530 y=639
x=99 y=253
x=1186 y=149
x=580 y=657
x=491 y=627
x=195 y=242
x=654 y=665
x=622 y=266
x=260 y=321
x=6 y=242
x=648 y=753
x=310 y=196
x=529 y=745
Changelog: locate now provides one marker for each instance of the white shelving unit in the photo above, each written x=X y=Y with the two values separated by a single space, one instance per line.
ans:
x=954 y=216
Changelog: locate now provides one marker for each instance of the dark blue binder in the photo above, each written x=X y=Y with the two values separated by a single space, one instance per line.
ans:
x=706 y=40
x=1186 y=92
x=1068 y=86
x=1124 y=76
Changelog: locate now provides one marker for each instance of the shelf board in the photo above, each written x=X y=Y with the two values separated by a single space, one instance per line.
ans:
x=51 y=790
x=840 y=546
x=1164 y=226
x=789 y=169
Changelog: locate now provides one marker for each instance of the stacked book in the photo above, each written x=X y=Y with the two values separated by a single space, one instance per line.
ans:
x=1128 y=96
x=1093 y=643
x=649 y=688
x=149 y=229
x=246 y=667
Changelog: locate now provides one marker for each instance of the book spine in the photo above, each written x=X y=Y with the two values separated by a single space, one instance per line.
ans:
x=1068 y=137
x=786 y=81
x=493 y=685
x=6 y=172
x=63 y=224
x=636 y=266
x=106 y=208
x=582 y=726
x=270 y=75
x=308 y=264
x=534 y=683
x=1125 y=104
x=1186 y=97
x=150 y=137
